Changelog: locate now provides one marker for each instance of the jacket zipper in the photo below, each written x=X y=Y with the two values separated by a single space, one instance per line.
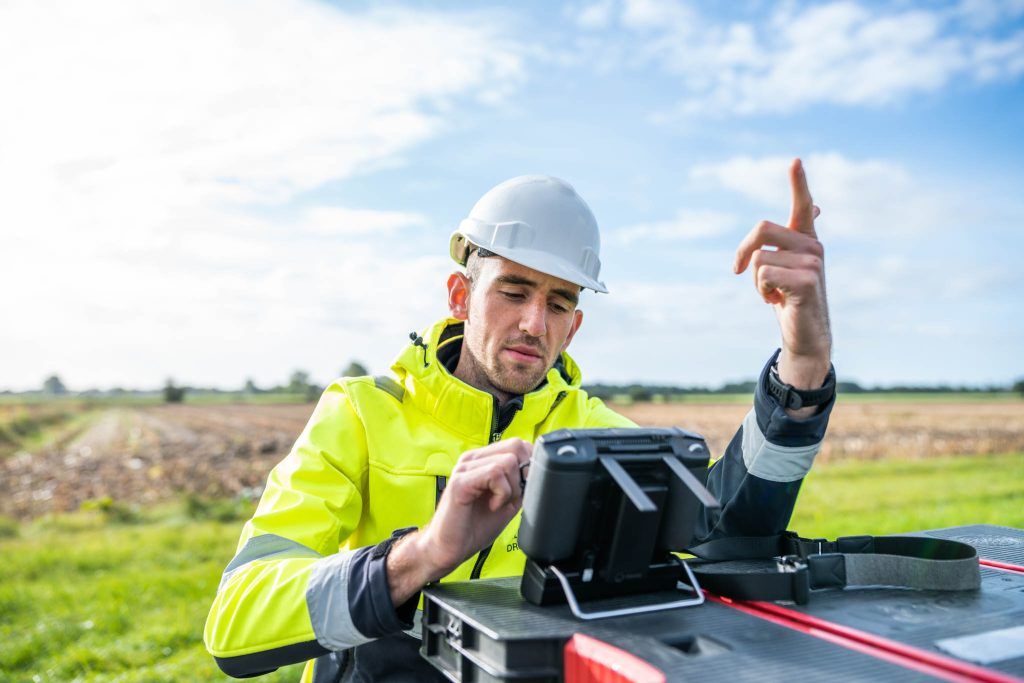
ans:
x=440 y=483
x=495 y=435
x=479 y=565
x=558 y=400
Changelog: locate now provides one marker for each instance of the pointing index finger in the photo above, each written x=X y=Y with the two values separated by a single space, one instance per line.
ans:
x=801 y=217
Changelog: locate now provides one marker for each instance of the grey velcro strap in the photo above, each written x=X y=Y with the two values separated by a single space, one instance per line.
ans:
x=909 y=572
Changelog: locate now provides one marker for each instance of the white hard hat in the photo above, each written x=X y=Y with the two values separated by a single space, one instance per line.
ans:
x=539 y=222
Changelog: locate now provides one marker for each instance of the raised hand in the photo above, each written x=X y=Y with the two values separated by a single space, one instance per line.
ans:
x=791 y=277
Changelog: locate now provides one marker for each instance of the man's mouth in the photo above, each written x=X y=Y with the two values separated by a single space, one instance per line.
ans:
x=524 y=354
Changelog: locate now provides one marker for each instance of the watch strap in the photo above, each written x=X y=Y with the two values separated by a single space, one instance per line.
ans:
x=384 y=547
x=792 y=398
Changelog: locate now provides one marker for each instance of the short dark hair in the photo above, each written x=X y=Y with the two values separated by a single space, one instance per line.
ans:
x=473 y=264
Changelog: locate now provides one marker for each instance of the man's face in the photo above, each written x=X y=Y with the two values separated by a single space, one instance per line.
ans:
x=517 y=322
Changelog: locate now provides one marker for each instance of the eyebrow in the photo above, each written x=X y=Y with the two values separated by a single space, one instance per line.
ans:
x=572 y=297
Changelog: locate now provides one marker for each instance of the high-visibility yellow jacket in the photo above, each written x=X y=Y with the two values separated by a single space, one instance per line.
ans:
x=308 y=579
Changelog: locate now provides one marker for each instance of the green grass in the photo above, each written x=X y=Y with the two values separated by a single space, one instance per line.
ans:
x=28 y=426
x=85 y=600
x=892 y=496
x=88 y=599
x=65 y=428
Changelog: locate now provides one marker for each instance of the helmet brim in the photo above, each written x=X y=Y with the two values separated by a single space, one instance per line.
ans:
x=540 y=261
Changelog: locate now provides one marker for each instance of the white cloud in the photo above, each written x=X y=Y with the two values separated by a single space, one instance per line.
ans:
x=983 y=14
x=843 y=52
x=338 y=220
x=688 y=224
x=909 y=260
x=596 y=15
x=644 y=14
x=679 y=329
x=149 y=151
x=859 y=199
x=225 y=101
x=216 y=308
x=651 y=306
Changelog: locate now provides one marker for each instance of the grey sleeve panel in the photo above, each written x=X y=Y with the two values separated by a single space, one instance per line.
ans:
x=327 y=598
x=751 y=439
x=751 y=506
x=261 y=548
x=773 y=462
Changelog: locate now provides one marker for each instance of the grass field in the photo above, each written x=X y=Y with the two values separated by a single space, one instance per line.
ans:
x=88 y=598
x=890 y=496
x=27 y=426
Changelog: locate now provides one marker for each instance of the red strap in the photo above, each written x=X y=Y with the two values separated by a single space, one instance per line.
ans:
x=1006 y=566
x=589 y=660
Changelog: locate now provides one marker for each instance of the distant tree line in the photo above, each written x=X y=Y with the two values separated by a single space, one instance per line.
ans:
x=300 y=384
x=646 y=392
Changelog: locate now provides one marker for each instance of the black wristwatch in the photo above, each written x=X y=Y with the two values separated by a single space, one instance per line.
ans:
x=790 y=397
x=384 y=547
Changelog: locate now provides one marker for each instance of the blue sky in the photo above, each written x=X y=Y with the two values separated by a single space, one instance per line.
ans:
x=221 y=190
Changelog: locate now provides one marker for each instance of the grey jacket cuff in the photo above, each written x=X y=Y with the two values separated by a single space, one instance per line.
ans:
x=777 y=426
x=369 y=595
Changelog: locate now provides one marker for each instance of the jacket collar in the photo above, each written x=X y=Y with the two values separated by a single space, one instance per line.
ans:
x=460 y=407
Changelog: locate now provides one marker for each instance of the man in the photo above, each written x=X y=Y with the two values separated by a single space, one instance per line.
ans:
x=399 y=482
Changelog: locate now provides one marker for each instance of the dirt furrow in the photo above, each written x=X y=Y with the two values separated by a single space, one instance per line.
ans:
x=143 y=455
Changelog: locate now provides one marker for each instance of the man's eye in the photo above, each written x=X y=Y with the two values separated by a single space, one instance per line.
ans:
x=514 y=296
x=557 y=308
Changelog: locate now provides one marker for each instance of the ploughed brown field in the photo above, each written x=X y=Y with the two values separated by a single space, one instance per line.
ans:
x=144 y=455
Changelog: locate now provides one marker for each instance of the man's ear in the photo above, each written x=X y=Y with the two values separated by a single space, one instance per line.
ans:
x=458 y=296
x=577 y=320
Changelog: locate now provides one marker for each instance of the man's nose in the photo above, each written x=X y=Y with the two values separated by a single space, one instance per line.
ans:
x=534 y=319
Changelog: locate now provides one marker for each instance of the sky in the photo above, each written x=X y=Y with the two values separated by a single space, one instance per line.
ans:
x=221 y=190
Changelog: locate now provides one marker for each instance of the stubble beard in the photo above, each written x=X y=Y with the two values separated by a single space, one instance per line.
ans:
x=506 y=376
x=518 y=379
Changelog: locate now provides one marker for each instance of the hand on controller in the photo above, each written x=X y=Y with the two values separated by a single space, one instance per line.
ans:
x=482 y=496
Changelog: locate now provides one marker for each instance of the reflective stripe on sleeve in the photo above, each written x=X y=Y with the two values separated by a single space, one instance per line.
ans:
x=261 y=548
x=327 y=598
x=769 y=461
